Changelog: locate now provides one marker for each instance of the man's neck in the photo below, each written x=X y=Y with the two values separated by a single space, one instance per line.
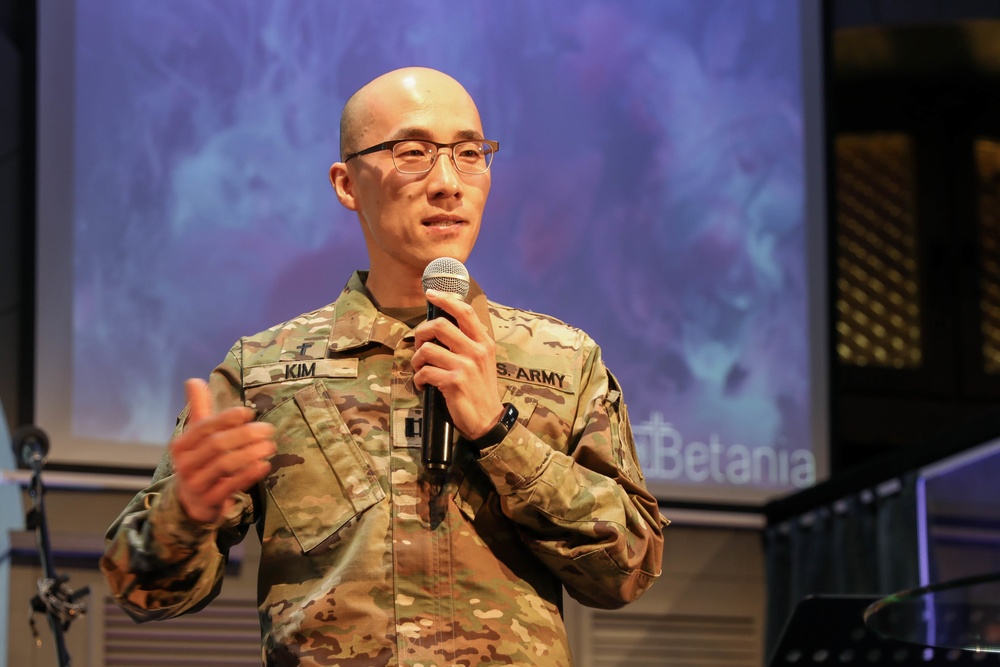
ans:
x=397 y=292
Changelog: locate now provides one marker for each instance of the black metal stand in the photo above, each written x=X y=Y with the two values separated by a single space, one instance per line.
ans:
x=830 y=630
x=60 y=603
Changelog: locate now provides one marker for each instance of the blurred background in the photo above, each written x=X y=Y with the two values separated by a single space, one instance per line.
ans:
x=785 y=209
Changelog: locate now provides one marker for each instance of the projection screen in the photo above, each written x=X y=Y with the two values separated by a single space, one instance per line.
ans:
x=659 y=185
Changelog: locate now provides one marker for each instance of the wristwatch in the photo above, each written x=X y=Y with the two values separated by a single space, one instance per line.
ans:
x=499 y=431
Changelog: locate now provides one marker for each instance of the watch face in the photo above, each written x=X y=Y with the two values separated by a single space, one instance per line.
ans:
x=509 y=416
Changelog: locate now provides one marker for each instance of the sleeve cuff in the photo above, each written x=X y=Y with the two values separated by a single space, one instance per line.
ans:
x=172 y=522
x=516 y=462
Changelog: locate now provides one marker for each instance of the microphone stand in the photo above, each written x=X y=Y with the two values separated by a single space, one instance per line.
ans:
x=60 y=603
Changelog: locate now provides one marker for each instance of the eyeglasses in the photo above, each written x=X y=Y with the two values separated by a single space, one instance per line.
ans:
x=417 y=156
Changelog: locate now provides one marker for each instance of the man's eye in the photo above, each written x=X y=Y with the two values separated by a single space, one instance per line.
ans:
x=411 y=150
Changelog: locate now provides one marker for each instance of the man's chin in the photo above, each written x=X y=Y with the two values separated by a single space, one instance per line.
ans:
x=460 y=252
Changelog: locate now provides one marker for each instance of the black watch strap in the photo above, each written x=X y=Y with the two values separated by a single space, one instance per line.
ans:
x=498 y=432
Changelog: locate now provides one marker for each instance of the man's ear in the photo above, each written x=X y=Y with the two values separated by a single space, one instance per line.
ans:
x=343 y=185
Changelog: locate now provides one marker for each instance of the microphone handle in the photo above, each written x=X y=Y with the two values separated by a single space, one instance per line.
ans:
x=437 y=431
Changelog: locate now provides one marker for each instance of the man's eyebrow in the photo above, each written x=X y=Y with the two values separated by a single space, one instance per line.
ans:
x=424 y=133
x=470 y=134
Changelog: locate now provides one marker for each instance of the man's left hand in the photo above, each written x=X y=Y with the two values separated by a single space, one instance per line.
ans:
x=461 y=362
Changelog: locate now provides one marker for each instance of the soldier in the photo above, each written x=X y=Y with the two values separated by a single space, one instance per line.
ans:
x=310 y=431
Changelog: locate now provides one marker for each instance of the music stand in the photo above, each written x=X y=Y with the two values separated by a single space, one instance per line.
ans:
x=830 y=630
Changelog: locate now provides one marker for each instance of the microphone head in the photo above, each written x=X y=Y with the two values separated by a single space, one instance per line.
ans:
x=30 y=442
x=445 y=274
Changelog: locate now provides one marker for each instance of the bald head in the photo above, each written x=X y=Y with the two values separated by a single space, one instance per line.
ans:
x=409 y=219
x=377 y=98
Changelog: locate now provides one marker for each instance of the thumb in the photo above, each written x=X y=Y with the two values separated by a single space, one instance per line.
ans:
x=199 y=399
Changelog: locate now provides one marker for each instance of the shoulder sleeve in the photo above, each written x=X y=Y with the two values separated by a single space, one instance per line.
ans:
x=157 y=561
x=585 y=513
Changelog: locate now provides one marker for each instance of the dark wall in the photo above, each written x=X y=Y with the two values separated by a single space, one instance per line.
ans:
x=16 y=201
x=850 y=13
x=923 y=70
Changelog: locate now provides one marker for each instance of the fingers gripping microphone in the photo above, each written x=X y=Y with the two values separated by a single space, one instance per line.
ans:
x=438 y=433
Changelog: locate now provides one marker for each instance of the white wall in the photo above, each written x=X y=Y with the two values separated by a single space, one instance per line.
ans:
x=713 y=579
x=11 y=518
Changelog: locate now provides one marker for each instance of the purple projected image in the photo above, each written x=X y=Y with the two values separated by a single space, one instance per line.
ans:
x=649 y=189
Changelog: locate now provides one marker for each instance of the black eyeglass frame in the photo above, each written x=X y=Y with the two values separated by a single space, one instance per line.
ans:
x=389 y=145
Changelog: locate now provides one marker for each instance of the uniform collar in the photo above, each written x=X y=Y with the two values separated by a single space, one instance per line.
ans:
x=357 y=322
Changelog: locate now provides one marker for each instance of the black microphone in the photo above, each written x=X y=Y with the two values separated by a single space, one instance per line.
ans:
x=31 y=445
x=444 y=274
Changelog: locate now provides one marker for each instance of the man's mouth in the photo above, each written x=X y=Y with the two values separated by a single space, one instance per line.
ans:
x=442 y=222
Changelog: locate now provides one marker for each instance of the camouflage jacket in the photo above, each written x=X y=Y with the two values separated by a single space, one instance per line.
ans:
x=363 y=562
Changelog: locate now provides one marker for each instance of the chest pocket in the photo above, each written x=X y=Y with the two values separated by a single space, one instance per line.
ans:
x=320 y=478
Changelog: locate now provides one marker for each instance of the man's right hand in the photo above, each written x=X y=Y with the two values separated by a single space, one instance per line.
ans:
x=217 y=455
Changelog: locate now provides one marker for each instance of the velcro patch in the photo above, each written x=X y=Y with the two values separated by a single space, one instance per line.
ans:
x=300 y=370
x=538 y=376
x=406 y=427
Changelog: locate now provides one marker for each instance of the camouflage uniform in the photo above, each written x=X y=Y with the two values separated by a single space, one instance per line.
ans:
x=364 y=562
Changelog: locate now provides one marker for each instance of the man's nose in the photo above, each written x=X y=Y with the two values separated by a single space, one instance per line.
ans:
x=444 y=174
